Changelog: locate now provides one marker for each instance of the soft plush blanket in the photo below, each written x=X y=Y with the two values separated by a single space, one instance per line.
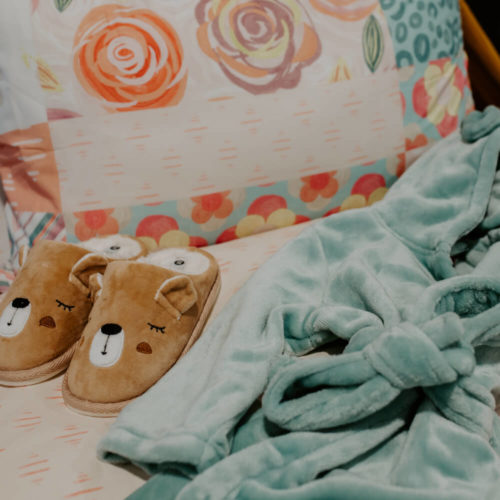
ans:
x=406 y=411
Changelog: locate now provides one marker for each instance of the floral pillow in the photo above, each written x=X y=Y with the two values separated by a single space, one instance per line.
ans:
x=197 y=122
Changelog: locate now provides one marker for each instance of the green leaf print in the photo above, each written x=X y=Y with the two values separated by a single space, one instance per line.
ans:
x=61 y=5
x=373 y=43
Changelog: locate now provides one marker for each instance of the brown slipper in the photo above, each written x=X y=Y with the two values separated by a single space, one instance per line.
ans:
x=147 y=314
x=45 y=310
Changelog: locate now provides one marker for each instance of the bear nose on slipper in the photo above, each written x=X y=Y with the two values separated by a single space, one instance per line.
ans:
x=111 y=329
x=20 y=303
x=147 y=314
x=48 y=322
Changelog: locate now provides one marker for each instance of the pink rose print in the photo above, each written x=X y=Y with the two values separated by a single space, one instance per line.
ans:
x=261 y=45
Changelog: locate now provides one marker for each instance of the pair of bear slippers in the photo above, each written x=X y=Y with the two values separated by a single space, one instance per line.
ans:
x=115 y=316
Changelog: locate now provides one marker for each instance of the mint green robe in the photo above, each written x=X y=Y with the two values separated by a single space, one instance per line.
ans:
x=411 y=286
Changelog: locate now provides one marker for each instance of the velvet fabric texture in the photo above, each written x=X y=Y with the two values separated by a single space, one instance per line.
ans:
x=411 y=285
x=43 y=313
x=142 y=320
x=55 y=309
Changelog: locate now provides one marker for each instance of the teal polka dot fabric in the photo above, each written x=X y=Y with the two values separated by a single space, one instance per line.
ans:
x=423 y=30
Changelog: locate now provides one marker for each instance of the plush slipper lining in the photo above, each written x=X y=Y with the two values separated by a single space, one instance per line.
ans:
x=94 y=409
x=38 y=373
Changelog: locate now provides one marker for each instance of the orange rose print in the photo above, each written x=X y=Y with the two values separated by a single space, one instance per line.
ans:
x=267 y=212
x=347 y=10
x=324 y=185
x=368 y=189
x=438 y=94
x=260 y=45
x=162 y=231
x=318 y=190
x=129 y=58
x=95 y=223
x=211 y=205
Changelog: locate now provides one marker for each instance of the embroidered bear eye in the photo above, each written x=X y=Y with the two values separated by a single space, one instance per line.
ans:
x=66 y=307
x=160 y=329
x=179 y=262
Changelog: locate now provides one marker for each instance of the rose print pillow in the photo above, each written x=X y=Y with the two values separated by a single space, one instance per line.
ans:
x=196 y=122
x=129 y=59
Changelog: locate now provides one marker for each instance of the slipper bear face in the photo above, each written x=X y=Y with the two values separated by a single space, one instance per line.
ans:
x=47 y=306
x=43 y=313
x=143 y=317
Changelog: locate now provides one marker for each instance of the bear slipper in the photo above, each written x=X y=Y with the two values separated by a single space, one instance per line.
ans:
x=44 y=312
x=147 y=314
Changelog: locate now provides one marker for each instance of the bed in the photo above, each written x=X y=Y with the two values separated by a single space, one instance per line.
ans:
x=226 y=148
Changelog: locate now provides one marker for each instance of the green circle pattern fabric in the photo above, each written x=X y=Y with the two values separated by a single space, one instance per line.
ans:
x=423 y=30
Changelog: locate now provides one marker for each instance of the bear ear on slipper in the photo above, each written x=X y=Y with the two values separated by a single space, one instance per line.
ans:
x=177 y=295
x=43 y=313
x=23 y=255
x=147 y=314
x=95 y=286
x=85 y=268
